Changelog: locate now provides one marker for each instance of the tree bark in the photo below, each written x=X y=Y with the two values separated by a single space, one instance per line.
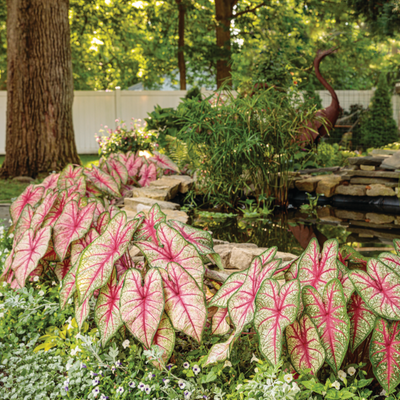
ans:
x=181 y=44
x=39 y=134
x=223 y=15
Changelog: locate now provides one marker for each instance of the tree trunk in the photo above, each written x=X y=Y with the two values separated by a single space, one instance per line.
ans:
x=181 y=44
x=40 y=134
x=223 y=15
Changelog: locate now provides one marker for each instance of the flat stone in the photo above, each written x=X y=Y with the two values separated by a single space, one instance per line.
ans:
x=366 y=235
x=324 y=212
x=380 y=190
x=23 y=179
x=185 y=182
x=375 y=218
x=377 y=152
x=351 y=190
x=367 y=167
x=328 y=184
x=369 y=160
x=373 y=174
x=371 y=181
x=167 y=183
x=151 y=193
x=308 y=185
x=392 y=162
x=132 y=203
x=349 y=214
x=331 y=219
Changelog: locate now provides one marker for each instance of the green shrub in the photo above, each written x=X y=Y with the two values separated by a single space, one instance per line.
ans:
x=378 y=127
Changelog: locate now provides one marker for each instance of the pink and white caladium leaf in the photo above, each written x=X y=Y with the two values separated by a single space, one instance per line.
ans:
x=344 y=278
x=221 y=351
x=164 y=339
x=384 y=353
x=31 y=195
x=148 y=173
x=103 y=181
x=396 y=244
x=72 y=225
x=62 y=268
x=28 y=252
x=92 y=191
x=142 y=304
x=81 y=311
x=164 y=162
x=68 y=287
x=220 y=325
x=304 y=346
x=293 y=270
x=172 y=247
x=119 y=168
x=328 y=313
x=24 y=223
x=102 y=222
x=50 y=182
x=133 y=165
x=379 y=287
x=50 y=254
x=315 y=269
x=391 y=260
x=58 y=207
x=227 y=290
x=185 y=302
x=69 y=176
x=362 y=321
x=107 y=313
x=242 y=304
x=276 y=308
x=42 y=211
x=147 y=230
x=97 y=261
x=113 y=173
x=199 y=238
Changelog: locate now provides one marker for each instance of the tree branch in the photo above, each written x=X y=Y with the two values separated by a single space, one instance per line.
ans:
x=247 y=10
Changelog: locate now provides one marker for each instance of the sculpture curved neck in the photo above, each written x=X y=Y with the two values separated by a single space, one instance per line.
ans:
x=324 y=83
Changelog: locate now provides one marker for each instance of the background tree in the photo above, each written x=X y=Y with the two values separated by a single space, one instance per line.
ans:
x=40 y=134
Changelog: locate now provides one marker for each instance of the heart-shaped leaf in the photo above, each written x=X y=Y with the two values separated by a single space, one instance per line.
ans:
x=31 y=195
x=98 y=259
x=50 y=182
x=304 y=346
x=72 y=225
x=328 y=313
x=164 y=162
x=119 y=168
x=384 y=353
x=379 y=287
x=142 y=305
x=362 y=321
x=164 y=339
x=68 y=288
x=103 y=181
x=62 y=268
x=147 y=231
x=148 y=173
x=227 y=290
x=391 y=260
x=315 y=269
x=69 y=176
x=81 y=311
x=107 y=312
x=24 y=223
x=58 y=207
x=221 y=351
x=28 y=252
x=344 y=278
x=42 y=211
x=220 y=325
x=185 y=302
x=172 y=247
x=276 y=308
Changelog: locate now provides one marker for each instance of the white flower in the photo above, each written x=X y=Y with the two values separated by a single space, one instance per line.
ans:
x=187 y=394
x=150 y=375
x=41 y=293
x=1 y=315
x=132 y=384
x=288 y=378
x=4 y=284
x=295 y=387
x=196 y=369
x=141 y=386
x=95 y=381
x=227 y=364
x=1 y=306
x=255 y=370
x=103 y=397
x=53 y=283
x=254 y=359
x=69 y=301
x=78 y=336
x=336 y=385
x=351 y=371
x=68 y=366
x=69 y=322
x=95 y=392
x=120 y=390
x=166 y=381
x=186 y=365
x=323 y=393
x=147 y=389
x=383 y=393
x=35 y=279
x=239 y=386
x=1 y=294
x=342 y=375
x=75 y=351
x=181 y=384
x=125 y=343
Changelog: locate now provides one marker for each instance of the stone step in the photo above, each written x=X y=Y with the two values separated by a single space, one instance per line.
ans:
x=371 y=181
x=369 y=160
x=161 y=194
x=131 y=203
x=372 y=174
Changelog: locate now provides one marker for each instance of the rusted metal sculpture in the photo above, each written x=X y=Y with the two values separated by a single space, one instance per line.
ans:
x=316 y=129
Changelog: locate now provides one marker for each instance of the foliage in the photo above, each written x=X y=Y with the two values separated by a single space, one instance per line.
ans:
x=378 y=127
x=237 y=137
x=126 y=139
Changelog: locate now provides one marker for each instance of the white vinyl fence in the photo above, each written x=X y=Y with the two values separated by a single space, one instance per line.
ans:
x=95 y=108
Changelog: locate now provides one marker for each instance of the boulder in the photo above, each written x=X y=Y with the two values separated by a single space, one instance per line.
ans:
x=185 y=182
x=167 y=183
x=328 y=184
x=351 y=215
x=375 y=218
x=351 y=190
x=392 y=162
x=161 y=194
x=380 y=190
x=371 y=181
x=23 y=179
x=132 y=203
x=309 y=184
x=367 y=167
x=369 y=160
x=378 y=152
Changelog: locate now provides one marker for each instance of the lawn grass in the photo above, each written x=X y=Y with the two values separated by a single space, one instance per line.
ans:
x=10 y=189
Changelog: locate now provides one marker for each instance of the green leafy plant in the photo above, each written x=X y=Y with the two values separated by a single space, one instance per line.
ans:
x=312 y=204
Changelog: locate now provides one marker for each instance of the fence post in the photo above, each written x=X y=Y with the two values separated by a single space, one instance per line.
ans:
x=117 y=105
